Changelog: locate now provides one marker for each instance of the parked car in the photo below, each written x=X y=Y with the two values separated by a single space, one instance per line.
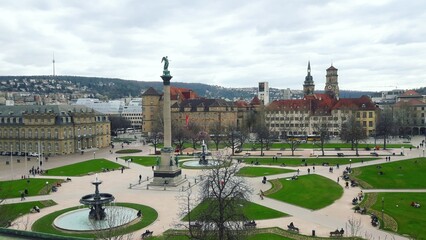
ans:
x=33 y=154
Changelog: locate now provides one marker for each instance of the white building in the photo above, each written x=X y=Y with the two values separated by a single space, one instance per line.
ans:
x=133 y=112
x=113 y=107
x=263 y=92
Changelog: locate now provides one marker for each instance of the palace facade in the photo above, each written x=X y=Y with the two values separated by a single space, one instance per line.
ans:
x=52 y=129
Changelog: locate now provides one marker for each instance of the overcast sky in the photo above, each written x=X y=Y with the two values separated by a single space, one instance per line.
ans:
x=375 y=44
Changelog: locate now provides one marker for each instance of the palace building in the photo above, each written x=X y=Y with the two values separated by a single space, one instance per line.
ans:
x=52 y=129
x=304 y=116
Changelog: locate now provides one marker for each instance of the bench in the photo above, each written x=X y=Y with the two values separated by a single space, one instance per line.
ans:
x=195 y=226
x=293 y=228
x=146 y=234
x=250 y=224
x=337 y=233
x=340 y=154
x=374 y=154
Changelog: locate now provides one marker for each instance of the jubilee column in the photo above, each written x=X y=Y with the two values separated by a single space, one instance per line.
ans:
x=167 y=171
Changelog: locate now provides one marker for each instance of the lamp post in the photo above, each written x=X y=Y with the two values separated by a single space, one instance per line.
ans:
x=383 y=210
x=94 y=155
x=350 y=163
x=47 y=187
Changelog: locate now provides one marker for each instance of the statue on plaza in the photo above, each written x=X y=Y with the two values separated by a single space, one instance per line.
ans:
x=166 y=63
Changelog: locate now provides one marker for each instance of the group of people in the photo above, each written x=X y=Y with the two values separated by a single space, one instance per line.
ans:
x=415 y=204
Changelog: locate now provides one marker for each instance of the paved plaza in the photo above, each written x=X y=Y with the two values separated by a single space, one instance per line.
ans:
x=167 y=203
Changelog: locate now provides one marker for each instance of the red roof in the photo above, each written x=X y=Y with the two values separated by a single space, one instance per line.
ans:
x=255 y=101
x=321 y=104
x=410 y=93
x=411 y=102
x=182 y=93
x=241 y=104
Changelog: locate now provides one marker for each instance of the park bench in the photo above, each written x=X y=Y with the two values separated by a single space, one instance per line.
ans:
x=195 y=226
x=374 y=154
x=250 y=224
x=293 y=228
x=146 y=234
x=340 y=154
x=337 y=233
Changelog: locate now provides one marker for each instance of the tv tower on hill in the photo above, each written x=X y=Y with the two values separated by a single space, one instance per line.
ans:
x=53 y=62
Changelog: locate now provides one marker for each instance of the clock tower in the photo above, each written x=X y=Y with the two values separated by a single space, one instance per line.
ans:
x=331 y=84
x=308 y=85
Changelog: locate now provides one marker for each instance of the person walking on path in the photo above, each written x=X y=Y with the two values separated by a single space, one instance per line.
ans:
x=22 y=196
x=140 y=178
x=309 y=170
x=122 y=169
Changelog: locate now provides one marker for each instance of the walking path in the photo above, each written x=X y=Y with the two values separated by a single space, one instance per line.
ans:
x=168 y=205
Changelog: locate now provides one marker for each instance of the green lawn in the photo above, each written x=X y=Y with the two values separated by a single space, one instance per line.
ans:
x=401 y=174
x=309 y=191
x=261 y=171
x=410 y=220
x=310 y=161
x=45 y=224
x=144 y=161
x=9 y=212
x=35 y=186
x=277 y=145
x=269 y=236
x=83 y=168
x=251 y=210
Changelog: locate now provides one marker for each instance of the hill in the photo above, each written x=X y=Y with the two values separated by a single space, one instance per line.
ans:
x=114 y=88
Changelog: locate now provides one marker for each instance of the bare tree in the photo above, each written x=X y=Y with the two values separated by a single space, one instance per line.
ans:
x=322 y=130
x=193 y=131
x=263 y=137
x=292 y=143
x=232 y=135
x=111 y=227
x=353 y=226
x=225 y=194
x=386 y=125
x=156 y=136
x=216 y=133
x=353 y=132
x=179 y=136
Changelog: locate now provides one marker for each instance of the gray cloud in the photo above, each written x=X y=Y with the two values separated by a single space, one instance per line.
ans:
x=374 y=44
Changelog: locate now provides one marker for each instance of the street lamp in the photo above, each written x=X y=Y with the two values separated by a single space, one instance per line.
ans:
x=94 y=155
x=47 y=187
x=350 y=163
x=383 y=210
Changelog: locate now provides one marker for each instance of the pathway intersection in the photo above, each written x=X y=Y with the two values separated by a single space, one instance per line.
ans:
x=168 y=205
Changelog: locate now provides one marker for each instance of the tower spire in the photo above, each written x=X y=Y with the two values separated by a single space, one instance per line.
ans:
x=53 y=63
x=309 y=67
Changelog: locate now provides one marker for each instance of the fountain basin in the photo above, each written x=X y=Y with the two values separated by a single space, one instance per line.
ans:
x=195 y=163
x=77 y=220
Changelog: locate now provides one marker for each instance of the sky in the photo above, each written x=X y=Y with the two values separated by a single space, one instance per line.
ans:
x=376 y=45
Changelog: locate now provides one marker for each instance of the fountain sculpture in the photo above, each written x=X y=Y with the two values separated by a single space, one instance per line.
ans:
x=203 y=160
x=96 y=201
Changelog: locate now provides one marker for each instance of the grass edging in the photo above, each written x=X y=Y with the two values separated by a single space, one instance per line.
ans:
x=45 y=224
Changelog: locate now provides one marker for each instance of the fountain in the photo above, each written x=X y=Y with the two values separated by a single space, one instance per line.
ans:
x=95 y=201
x=97 y=216
x=205 y=159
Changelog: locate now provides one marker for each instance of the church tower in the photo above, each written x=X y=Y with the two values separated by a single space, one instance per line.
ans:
x=308 y=85
x=331 y=84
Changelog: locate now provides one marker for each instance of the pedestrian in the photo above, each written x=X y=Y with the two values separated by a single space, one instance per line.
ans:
x=152 y=167
x=116 y=159
x=22 y=196
x=140 y=178
x=309 y=170
x=313 y=168
x=122 y=169
x=389 y=158
x=298 y=171
x=338 y=178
